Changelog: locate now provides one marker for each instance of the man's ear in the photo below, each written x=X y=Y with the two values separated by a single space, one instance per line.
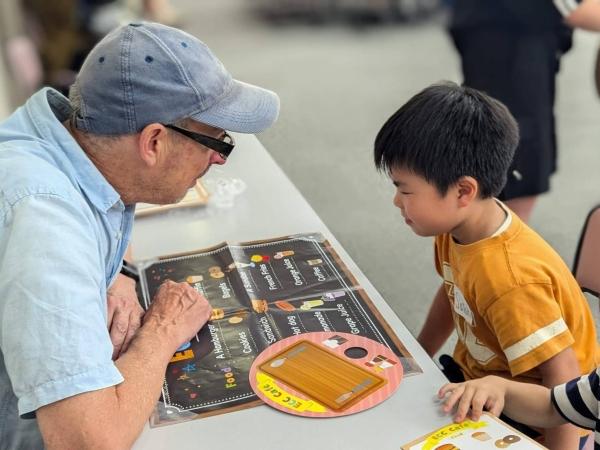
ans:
x=467 y=189
x=152 y=144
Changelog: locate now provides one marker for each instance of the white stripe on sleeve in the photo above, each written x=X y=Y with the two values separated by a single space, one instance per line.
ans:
x=588 y=397
x=563 y=402
x=535 y=339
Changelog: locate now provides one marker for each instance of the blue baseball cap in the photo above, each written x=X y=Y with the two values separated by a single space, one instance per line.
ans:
x=143 y=73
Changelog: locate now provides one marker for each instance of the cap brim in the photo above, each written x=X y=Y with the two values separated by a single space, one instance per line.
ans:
x=245 y=109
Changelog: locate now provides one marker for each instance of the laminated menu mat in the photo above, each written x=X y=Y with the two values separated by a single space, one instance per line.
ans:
x=261 y=292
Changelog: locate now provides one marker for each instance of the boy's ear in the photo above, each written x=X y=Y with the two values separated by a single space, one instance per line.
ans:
x=152 y=143
x=467 y=189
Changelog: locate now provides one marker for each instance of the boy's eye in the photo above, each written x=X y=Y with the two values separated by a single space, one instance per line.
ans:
x=405 y=193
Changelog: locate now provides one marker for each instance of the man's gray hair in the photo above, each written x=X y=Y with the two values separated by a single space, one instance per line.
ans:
x=75 y=101
x=96 y=140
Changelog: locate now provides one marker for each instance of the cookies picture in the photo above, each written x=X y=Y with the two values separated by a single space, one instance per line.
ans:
x=215 y=272
x=481 y=436
x=511 y=439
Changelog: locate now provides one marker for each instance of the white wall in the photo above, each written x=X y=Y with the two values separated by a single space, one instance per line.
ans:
x=4 y=98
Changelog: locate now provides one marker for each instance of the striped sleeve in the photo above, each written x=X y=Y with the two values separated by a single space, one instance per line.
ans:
x=566 y=7
x=577 y=400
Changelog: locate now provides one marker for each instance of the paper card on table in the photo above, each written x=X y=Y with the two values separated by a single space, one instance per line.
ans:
x=489 y=433
x=322 y=375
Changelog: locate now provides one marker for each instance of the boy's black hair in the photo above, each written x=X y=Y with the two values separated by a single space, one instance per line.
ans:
x=448 y=131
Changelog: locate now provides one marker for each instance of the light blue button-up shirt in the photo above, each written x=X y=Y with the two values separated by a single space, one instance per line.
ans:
x=63 y=233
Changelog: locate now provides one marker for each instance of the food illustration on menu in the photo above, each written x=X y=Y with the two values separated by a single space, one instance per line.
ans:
x=488 y=433
x=261 y=292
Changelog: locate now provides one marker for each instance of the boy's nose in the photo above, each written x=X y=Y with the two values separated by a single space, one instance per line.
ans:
x=397 y=202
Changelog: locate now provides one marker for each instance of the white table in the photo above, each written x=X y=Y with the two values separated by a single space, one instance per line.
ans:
x=270 y=207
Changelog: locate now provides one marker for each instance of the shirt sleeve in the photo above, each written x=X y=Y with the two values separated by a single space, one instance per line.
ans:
x=566 y=7
x=577 y=400
x=54 y=334
x=529 y=326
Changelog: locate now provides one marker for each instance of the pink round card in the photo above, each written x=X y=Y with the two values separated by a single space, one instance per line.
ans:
x=325 y=374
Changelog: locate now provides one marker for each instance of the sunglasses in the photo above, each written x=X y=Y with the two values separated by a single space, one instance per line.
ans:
x=223 y=146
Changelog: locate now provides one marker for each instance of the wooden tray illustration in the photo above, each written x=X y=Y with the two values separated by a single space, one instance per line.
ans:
x=322 y=375
x=325 y=374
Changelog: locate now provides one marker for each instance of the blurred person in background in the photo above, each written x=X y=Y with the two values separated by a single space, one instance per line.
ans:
x=62 y=36
x=18 y=51
x=160 y=11
x=45 y=43
x=511 y=50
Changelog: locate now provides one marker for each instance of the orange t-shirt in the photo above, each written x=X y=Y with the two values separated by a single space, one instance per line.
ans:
x=515 y=304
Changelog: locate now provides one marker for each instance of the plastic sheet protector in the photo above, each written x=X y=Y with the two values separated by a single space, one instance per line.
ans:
x=261 y=292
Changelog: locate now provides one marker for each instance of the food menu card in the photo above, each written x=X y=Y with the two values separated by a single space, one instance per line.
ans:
x=489 y=433
x=260 y=292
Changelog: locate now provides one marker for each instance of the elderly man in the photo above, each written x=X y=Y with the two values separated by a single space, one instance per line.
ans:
x=146 y=118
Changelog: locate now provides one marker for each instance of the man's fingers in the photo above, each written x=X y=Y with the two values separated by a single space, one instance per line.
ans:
x=181 y=307
x=135 y=322
x=111 y=308
x=118 y=331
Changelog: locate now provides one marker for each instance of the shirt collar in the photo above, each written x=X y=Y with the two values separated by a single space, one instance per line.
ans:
x=47 y=109
x=507 y=220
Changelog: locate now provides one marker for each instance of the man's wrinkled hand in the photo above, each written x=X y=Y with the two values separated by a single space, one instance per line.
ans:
x=124 y=313
x=179 y=310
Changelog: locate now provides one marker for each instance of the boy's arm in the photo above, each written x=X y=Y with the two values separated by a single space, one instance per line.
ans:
x=558 y=370
x=586 y=16
x=438 y=325
x=526 y=403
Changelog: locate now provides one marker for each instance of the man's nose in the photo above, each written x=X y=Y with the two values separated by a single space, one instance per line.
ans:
x=217 y=158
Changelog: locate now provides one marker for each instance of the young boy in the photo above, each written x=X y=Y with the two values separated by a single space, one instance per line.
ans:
x=517 y=309
x=576 y=401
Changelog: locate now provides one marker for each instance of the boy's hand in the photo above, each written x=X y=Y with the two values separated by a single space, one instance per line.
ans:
x=473 y=397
